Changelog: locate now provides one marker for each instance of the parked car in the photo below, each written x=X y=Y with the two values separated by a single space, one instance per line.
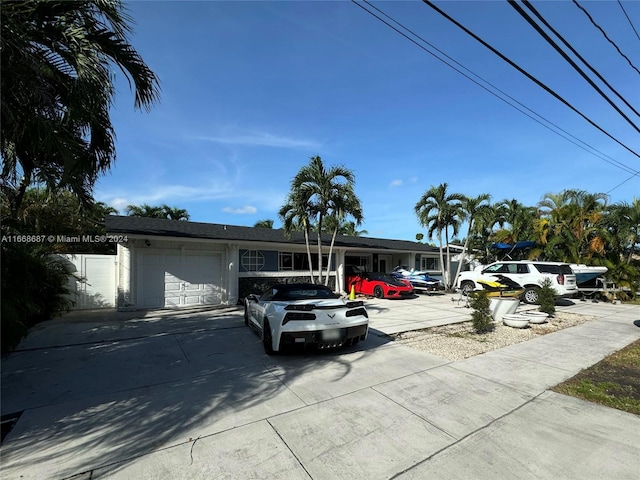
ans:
x=379 y=285
x=305 y=314
x=529 y=274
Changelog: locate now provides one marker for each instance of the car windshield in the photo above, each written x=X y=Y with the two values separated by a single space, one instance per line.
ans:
x=303 y=292
x=383 y=277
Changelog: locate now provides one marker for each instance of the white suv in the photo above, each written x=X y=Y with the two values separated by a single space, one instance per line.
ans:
x=529 y=274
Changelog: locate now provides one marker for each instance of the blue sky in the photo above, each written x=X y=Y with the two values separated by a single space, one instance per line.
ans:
x=251 y=90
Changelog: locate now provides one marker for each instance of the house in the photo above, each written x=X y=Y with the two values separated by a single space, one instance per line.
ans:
x=167 y=263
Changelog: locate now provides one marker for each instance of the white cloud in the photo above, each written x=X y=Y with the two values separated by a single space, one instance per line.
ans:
x=262 y=139
x=396 y=183
x=247 y=209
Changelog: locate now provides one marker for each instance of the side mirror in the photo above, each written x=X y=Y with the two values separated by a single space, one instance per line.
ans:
x=252 y=297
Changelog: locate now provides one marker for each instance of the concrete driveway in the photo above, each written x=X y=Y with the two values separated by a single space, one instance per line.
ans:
x=190 y=394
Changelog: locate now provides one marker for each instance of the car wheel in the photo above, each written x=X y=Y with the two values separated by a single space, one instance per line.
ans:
x=267 y=339
x=467 y=287
x=531 y=295
x=246 y=313
x=378 y=292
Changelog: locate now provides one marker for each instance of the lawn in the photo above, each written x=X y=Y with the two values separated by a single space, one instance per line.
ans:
x=613 y=382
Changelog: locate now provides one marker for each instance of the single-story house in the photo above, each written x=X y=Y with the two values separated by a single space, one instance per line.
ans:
x=166 y=263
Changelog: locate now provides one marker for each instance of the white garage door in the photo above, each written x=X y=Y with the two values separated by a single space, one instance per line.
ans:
x=167 y=280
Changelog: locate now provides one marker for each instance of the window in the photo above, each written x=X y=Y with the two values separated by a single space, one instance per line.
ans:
x=252 y=260
x=299 y=261
x=428 y=263
x=285 y=261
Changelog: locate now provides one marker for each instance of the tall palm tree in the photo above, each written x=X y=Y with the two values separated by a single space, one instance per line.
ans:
x=472 y=207
x=319 y=189
x=438 y=210
x=344 y=203
x=57 y=60
x=294 y=215
x=264 y=224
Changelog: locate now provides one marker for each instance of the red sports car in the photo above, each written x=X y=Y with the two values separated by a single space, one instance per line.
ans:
x=379 y=285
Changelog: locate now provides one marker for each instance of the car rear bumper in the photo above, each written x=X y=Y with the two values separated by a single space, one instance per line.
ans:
x=322 y=338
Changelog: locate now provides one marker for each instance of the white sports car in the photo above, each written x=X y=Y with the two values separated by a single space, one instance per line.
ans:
x=307 y=314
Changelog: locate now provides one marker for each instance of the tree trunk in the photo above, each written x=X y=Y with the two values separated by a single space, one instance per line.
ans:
x=333 y=239
x=441 y=257
x=306 y=241
x=320 y=250
x=464 y=250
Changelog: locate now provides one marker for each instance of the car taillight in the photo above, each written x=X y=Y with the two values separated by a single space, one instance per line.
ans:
x=356 y=312
x=292 y=316
x=560 y=279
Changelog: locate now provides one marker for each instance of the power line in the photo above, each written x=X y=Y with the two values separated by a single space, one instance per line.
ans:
x=573 y=50
x=622 y=183
x=593 y=150
x=605 y=34
x=628 y=19
x=528 y=75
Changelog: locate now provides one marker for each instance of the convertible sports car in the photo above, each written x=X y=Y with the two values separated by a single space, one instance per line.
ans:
x=379 y=285
x=305 y=314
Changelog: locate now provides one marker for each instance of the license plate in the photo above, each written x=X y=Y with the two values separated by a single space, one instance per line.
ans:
x=331 y=334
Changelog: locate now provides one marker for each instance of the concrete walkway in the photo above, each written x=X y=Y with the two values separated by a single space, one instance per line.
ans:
x=191 y=395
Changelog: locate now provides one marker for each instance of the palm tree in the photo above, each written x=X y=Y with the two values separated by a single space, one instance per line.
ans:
x=174 y=213
x=624 y=221
x=145 y=210
x=57 y=89
x=472 y=207
x=438 y=210
x=344 y=203
x=263 y=224
x=319 y=190
x=294 y=215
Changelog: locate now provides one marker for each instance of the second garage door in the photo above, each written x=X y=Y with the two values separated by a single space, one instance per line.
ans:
x=168 y=280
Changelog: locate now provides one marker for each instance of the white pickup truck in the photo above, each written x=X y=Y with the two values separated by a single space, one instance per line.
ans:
x=529 y=274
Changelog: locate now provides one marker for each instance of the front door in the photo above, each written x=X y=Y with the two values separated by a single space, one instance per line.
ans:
x=384 y=263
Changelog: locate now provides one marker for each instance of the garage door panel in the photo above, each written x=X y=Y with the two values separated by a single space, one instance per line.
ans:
x=185 y=280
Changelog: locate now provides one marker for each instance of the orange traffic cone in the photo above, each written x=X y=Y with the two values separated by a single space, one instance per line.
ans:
x=352 y=295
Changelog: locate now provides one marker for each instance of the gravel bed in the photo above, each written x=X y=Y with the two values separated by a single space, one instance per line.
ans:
x=459 y=341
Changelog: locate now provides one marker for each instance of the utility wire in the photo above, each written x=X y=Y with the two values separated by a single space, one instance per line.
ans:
x=592 y=150
x=575 y=66
x=568 y=45
x=628 y=19
x=622 y=183
x=528 y=75
x=605 y=34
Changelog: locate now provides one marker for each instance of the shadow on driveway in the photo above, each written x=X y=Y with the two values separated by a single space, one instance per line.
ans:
x=101 y=392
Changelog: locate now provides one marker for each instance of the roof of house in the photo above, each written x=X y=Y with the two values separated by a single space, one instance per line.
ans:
x=214 y=231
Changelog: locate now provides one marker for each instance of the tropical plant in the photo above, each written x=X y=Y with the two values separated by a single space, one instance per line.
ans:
x=34 y=288
x=174 y=213
x=57 y=90
x=547 y=297
x=157 y=211
x=481 y=315
x=437 y=210
x=344 y=202
x=472 y=208
x=316 y=193
x=295 y=217
x=263 y=224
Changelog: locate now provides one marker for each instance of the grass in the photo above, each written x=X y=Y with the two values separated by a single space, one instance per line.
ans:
x=613 y=382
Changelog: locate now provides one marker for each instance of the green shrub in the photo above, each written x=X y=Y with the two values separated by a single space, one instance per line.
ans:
x=481 y=315
x=547 y=297
x=34 y=289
